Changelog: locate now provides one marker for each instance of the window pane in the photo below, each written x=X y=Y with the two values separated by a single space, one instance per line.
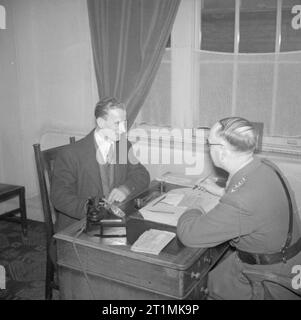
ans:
x=288 y=99
x=254 y=90
x=290 y=28
x=213 y=87
x=258 y=26
x=217 y=25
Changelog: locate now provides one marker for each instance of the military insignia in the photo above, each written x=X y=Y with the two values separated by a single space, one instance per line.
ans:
x=239 y=184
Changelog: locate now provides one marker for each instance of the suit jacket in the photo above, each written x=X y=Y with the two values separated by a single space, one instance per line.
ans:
x=254 y=215
x=76 y=177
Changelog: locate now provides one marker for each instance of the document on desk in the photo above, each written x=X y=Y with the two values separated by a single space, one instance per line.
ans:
x=197 y=199
x=178 y=179
x=168 y=208
x=152 y=241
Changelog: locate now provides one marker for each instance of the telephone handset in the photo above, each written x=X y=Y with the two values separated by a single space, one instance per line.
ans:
x=99 y=212
x=114 y=209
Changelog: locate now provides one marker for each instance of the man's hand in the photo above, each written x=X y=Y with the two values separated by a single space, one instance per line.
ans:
x=118 y=194
x=210 y=186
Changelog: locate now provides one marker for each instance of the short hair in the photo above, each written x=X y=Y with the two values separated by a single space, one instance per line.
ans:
x=239 y=133
x=104 y=105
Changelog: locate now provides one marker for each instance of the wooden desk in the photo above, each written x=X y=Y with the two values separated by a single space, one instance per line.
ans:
x=115 y=272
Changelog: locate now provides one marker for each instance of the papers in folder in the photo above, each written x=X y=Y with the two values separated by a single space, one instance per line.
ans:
x=168 y=208
x=152 y=241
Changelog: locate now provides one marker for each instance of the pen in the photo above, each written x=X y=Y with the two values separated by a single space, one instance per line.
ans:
x=161 y=211
x=159 y=201
x=197 y=185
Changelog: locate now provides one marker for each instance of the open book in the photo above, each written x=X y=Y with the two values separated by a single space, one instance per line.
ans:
x=152 y=241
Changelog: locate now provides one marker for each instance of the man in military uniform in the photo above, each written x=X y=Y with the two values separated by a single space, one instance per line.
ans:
x=255 y=211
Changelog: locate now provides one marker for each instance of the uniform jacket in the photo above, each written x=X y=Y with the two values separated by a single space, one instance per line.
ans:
x=254 y=215
x=76 y=177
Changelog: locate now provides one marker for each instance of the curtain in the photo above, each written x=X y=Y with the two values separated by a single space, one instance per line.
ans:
x=128 y=41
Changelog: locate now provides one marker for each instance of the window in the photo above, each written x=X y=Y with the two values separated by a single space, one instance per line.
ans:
x=245 y=61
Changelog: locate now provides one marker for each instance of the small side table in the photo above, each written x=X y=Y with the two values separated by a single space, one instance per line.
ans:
x=8 y=191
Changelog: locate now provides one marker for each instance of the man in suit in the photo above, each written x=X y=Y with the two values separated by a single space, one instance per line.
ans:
x=100 y=165
x=254 y=213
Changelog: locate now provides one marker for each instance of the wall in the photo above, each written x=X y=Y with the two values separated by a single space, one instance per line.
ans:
x=46 y=82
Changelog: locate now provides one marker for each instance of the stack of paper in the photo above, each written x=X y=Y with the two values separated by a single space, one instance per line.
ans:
x=152 y=241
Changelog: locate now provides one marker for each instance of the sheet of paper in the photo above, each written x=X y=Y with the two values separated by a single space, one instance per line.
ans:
x=163 y=217
x=165 y=203
x=173 y=199
x=152 y=241
x=197 y=199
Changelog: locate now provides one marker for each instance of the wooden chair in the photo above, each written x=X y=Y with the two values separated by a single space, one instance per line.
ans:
x=260 y=281
x=8 y=191
x=44 y=163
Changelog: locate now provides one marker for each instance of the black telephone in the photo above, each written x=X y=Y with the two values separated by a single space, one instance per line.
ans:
x=100 y=213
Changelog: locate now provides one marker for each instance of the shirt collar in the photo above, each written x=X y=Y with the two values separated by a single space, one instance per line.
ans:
x=102 y=143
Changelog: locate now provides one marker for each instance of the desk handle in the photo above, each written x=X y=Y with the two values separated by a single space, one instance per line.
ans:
x=204 y=291
x=195 y=275
x=208 y=259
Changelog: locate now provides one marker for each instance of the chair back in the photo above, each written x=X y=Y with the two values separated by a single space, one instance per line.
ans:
x=45 y=164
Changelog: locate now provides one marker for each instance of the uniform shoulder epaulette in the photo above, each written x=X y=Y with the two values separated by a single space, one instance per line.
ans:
x=239 y=184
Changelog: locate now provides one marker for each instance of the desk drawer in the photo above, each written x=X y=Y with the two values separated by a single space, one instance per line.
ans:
x=199 y=272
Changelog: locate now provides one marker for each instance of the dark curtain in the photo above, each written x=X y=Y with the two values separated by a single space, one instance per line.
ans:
x=128 y=42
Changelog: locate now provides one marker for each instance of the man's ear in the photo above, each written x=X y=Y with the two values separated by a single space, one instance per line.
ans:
x=100 y=122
